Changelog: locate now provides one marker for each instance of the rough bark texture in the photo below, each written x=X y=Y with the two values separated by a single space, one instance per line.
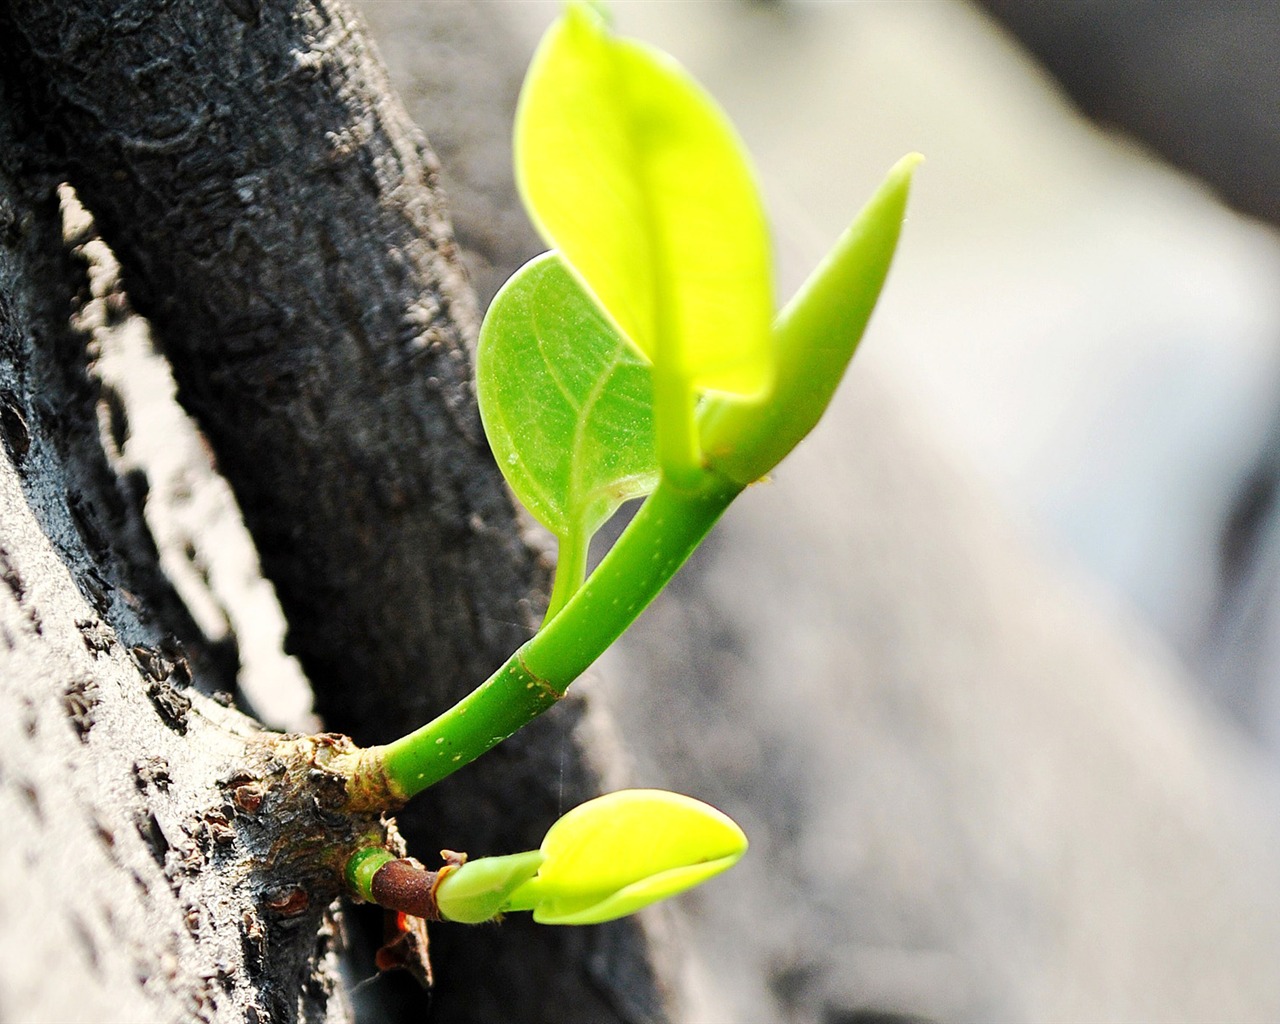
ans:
x=132 y=888
x=277 y=218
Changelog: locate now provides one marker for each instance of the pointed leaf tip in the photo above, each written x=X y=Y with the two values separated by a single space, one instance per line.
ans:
x=815 y=337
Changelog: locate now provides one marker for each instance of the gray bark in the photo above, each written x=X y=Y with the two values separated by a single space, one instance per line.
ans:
x=277 y=219
x=130 y=888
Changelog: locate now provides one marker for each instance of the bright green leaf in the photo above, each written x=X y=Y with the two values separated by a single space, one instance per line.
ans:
x=567 y=404
x=815 y=336
x=634 y=173
x=620 y=852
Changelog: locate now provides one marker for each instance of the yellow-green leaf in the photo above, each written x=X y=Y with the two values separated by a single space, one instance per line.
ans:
x=620 y=852
x=634 y=173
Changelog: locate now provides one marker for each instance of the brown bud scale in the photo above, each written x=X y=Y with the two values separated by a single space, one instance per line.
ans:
x=405 y=885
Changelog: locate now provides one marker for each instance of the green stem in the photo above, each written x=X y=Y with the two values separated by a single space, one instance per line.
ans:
x=670 y=524
x=679 y=450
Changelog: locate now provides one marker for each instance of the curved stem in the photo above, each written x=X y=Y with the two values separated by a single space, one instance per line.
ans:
x=670 y=524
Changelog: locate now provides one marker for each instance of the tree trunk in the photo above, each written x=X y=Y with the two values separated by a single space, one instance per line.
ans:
x=277 y=219
x=124 y=890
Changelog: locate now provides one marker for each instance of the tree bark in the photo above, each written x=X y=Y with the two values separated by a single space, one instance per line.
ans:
x=129 y=888
x=277 y=219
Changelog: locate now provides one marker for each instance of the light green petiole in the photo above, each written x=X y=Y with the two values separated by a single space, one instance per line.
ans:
x=571 y=570
x=679 y=454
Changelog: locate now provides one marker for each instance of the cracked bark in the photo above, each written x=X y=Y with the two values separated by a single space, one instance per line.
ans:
x=277 y=218
x=128 y=886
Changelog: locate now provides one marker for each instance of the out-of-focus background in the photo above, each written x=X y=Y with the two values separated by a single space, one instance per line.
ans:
x=989 y=670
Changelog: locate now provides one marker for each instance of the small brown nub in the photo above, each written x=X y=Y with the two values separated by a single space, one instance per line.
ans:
x=405 y=885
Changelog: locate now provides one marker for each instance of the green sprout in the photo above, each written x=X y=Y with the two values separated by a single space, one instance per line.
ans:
x=604 y=859
x=641 y=357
